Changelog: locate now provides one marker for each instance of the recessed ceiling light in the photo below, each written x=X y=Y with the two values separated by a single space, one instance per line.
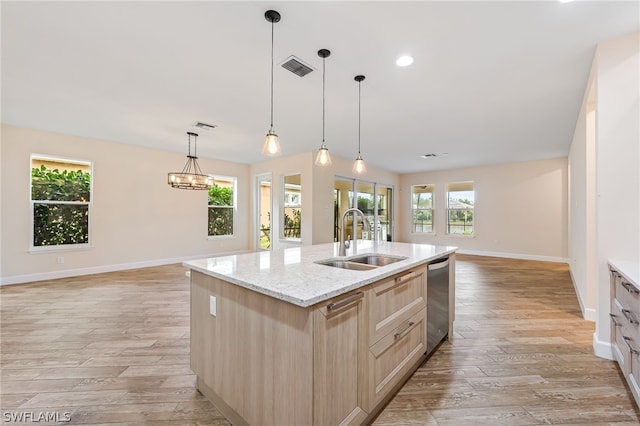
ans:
x=404 y=61
x=565 y=1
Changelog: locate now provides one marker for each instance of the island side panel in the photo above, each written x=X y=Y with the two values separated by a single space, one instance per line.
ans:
x=255 y=355
x=452 y=293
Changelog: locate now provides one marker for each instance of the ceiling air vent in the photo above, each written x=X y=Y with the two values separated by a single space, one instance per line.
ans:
x=433 y=155
x=296 y=66
x=204 y=126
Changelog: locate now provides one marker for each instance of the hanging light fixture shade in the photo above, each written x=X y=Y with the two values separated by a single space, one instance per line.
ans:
x=271 y=146
x=323 y=158
x=358 y=165
x=191 y=176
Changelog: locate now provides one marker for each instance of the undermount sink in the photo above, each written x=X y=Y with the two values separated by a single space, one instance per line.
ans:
x=377 y=259
x=361 y=263
x=348 y=265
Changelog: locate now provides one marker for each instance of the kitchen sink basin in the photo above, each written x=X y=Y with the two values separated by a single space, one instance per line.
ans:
x=376 y=259
x=362 y=263
x=345 y=264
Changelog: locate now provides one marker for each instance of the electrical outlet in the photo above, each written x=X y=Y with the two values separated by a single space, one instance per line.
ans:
x=213 y=309
x=60 y=260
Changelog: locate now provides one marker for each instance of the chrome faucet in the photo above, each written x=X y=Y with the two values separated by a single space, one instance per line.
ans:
x=344 y=245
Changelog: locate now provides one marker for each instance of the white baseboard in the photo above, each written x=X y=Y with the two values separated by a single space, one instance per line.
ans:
x=602 y=349
x=42 y=276
x=514 y=256
x=588 y=314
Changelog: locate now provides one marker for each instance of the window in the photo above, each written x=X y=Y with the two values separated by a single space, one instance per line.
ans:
x=222 y=206
x=422 y=208
x=292 y=207
x=460 y=201
x=60 y=201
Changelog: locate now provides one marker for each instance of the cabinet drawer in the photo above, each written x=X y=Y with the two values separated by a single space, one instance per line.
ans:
x=394 y=301
x=617 y=344
x=395 y=354
x=628 y=318
x=626 y=293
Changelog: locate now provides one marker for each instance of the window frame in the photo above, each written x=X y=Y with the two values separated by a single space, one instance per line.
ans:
x=432 y=209
x=234 y=213
x=59 y=247
x=473 y=219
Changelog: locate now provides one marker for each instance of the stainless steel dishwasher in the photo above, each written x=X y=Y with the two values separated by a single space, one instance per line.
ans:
x=437 y=303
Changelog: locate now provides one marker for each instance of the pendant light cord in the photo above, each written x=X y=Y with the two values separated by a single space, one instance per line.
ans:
x=323 y=73
x=359 y=83
x=272 y=24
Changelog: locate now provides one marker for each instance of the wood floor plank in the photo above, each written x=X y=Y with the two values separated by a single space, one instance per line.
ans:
x=519 y=330
x=113 y=349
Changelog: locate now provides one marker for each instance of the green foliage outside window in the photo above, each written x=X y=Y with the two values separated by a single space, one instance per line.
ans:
x=220 y=196
x=65 y=222
x=365 y=205
x=292 y=223
x=54 y=185
x=220 y=210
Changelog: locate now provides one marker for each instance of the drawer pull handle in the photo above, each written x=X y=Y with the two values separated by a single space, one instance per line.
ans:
x=404 y=330
x=616 y=323
x=630 y=288
x=404 y=278
x=627 y=314
x=344 y=302
x=631 y=350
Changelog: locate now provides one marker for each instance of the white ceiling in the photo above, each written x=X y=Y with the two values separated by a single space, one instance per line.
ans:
x=492 y=82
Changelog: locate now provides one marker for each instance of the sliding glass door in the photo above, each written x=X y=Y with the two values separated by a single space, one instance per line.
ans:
x=373 y=199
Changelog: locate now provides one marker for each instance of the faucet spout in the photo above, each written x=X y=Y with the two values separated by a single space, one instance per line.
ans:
x=342 y=249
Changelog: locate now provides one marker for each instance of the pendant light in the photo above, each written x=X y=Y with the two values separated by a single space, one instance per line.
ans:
x=271 y=145
x=358 y=165
x=191 y=176
x=323 y=158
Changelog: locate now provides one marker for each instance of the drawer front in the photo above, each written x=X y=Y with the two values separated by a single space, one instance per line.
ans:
x=394 y=355
x=626 y=343
x=626 y=293
x=394 y=301
x=620 y=349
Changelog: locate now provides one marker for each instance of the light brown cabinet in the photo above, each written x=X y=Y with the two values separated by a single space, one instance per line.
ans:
x=625 y=328
x=397 y=331
x=394 y=300
x=263 y=361
x=339 y=336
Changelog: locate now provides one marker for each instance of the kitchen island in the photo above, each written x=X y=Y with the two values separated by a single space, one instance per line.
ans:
x=278 y=338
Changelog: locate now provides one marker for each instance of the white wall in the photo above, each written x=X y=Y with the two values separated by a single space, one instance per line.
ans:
x=617 y=167
x=137 y=219
x=582 y=227
x=520 y=209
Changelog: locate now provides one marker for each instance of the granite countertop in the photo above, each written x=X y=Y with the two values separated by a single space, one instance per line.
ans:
x=293 y=276
x=629 y=269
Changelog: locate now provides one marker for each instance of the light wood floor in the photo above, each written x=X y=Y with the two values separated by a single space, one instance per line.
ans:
x=114 y=349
